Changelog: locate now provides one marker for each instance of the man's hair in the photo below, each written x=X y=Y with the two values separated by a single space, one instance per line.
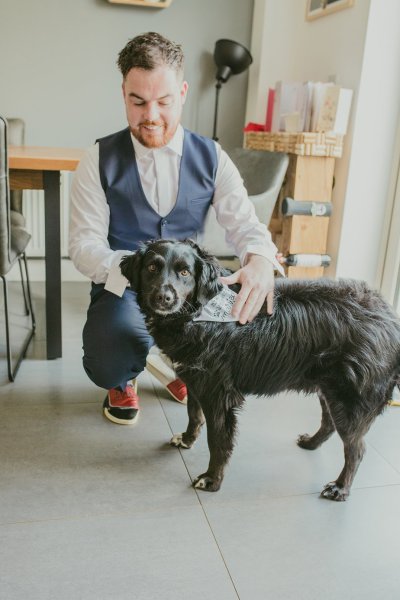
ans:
x=148 y=51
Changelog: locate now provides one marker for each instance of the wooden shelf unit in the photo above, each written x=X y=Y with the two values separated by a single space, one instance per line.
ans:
x=309 y=178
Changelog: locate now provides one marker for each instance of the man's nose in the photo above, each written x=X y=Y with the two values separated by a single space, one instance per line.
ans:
x=152 y=112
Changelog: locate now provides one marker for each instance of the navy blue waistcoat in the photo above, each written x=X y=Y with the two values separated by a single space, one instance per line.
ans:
x=132 y=219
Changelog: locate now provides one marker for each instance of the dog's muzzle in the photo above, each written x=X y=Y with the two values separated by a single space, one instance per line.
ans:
x=165 y=300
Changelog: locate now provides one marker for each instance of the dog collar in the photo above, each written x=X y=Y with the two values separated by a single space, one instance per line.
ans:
x=219 y=308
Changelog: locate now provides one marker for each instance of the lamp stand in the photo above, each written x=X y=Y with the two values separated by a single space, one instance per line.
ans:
x=218 y=86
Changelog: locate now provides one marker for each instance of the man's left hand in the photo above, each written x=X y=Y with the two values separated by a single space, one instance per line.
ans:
x=257 y=281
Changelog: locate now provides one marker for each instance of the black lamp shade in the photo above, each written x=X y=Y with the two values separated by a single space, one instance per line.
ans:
x=231 y=58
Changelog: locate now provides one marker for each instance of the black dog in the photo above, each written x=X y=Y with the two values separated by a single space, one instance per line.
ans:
x=338 y=339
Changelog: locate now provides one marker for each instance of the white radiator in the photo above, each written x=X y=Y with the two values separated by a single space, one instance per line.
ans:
x=33 y=209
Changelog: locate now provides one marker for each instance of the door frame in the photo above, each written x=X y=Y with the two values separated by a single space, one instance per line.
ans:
x=388 y=278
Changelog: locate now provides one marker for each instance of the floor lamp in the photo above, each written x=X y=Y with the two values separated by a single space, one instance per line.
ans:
x=231 y=58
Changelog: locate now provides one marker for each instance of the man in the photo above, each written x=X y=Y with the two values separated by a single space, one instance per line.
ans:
x=152 y=180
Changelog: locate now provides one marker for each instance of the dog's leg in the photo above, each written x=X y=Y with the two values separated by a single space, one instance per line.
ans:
x=351 y=430
x=196 y=420
x=324 y=432
x=220 y=436
x=339 y=490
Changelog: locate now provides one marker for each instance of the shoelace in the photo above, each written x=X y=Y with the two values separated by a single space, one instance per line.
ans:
x=126 y=399
x=178 y=388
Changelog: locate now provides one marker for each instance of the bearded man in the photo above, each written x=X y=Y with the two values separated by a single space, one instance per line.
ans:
x=152 y=180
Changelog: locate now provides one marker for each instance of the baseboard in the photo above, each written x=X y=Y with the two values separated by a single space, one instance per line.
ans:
x=37 y=272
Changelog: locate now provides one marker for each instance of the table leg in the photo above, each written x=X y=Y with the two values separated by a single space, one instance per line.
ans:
x=51 y=180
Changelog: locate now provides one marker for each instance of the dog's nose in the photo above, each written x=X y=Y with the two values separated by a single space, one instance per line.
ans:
x=166 y=298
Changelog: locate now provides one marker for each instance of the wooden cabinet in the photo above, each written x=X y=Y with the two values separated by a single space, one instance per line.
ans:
x=310 y=178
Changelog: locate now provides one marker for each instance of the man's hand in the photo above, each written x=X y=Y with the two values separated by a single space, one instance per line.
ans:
x=257 y=281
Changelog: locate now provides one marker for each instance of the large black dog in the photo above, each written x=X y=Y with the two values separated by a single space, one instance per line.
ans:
x=338 y=339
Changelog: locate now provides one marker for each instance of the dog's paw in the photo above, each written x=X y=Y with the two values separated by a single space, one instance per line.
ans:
x=333 y=492
x=178 y=442
x=206 y=483
x=306 y=441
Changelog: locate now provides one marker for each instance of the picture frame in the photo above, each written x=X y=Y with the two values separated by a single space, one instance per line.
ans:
x=148 y=3
x=321 y=8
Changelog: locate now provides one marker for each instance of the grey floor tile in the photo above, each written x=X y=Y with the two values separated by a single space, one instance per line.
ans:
x=384 y=436
x=75 y=300
x=67 y=460
x=41 y=381
x=305 y=548
x=157 y=555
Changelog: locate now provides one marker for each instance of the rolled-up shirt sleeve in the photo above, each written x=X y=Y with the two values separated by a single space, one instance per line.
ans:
x=89 y=249
x=236 y=214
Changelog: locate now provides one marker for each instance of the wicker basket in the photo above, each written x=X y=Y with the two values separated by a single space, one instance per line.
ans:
x=304 y=144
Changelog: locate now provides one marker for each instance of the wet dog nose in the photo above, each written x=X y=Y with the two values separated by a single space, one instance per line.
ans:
x=165 y=297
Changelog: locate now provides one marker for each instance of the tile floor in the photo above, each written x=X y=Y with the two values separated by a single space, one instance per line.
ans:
x=91 y=510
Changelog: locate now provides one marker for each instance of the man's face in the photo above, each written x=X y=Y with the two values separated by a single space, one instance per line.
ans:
x=154 y=101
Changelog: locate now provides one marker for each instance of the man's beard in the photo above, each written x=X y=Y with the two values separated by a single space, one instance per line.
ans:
x=162 y=138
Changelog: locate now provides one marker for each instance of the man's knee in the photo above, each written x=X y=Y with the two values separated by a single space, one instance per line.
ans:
x=110 y=370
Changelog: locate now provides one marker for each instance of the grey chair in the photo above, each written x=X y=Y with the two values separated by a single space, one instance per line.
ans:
x=263 y=174
x=16 y=137
x=13 y=242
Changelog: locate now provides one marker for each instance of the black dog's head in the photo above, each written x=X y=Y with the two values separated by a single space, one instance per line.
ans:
x=171 y=276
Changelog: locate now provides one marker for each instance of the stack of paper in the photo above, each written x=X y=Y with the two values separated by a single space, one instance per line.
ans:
x=310 y=106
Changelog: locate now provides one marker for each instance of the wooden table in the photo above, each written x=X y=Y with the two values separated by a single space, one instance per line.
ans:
x=38 y=168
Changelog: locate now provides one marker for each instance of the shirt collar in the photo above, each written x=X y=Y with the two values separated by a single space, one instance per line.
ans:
x=174 y=145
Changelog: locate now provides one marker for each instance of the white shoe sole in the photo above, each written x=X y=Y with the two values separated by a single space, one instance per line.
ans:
x=111 y=417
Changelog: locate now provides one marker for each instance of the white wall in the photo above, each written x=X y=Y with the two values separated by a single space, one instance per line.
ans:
x=58 y=68
x=374 y=138
x=360 y=46
x=58 y=64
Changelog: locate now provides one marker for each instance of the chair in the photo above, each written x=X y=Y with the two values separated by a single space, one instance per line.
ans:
x=263 y=174
x=16 y=137
x=13 y=242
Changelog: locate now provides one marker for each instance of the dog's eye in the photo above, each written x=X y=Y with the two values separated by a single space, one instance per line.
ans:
x=152 y=268
x=185 y=273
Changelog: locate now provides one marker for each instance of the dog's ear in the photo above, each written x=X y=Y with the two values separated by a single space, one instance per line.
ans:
x=131 y=266
x=208 y=271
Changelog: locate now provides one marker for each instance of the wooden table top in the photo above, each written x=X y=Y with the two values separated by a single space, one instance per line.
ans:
x=42 y=158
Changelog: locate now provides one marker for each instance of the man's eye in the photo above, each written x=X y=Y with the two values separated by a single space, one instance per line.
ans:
x=152 y=268
x=185 y=273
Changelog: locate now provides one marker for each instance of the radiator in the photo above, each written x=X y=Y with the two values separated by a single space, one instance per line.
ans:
x=33 y=209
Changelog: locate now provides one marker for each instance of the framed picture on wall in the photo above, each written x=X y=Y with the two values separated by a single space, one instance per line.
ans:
x=322 y=8
x=152 y=3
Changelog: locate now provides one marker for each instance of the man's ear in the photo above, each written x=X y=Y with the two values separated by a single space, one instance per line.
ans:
x=208 y=271
x=131 y=266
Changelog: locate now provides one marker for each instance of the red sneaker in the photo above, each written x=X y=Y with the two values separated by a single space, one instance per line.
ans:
x=122 y=407
x=178 y=390
x=161 y=368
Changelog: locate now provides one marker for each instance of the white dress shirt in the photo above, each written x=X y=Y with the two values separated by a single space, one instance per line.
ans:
x=159 y=174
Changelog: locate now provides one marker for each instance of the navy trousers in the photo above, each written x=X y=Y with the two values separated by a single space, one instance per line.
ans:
x=115 y=338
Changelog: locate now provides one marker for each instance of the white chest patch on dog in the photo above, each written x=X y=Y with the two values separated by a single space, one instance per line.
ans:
x=219 y=308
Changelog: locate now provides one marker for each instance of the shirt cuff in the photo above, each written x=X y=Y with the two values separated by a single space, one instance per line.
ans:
x=269 y=255
x=116 y=283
